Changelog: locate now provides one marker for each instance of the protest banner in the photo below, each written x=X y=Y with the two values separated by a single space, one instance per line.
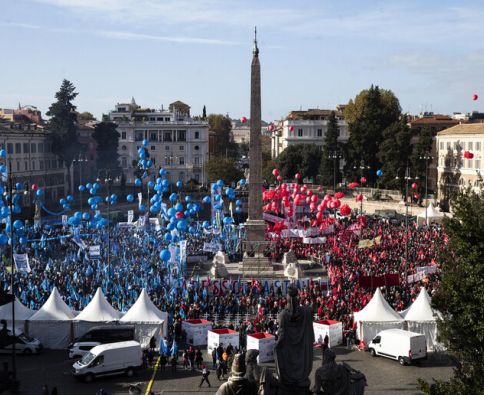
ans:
x=21 y=262
x=95 y=252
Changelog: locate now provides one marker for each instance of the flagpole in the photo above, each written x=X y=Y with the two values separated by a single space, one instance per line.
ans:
x=12 y=272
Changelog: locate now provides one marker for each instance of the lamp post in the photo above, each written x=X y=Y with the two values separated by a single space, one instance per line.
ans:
x=407 y=179
x=362 y=168
x=80 y=160
x=334 y=155
x=426 y=157
x=108 y=180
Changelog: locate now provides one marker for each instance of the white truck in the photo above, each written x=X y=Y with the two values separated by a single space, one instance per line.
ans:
x=109 y=359
x=403 y=346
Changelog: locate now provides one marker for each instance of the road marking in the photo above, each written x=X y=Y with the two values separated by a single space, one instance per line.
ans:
x=150 y=384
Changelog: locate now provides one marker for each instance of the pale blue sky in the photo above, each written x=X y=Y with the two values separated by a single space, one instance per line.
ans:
x=313 y=53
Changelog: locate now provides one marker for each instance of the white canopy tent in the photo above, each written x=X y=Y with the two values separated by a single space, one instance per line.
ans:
x=51 y=324
x=97 y=313
x=147 y=318
x=22 y=313
x=376 y=316
x=421 y=318
x=432 y=216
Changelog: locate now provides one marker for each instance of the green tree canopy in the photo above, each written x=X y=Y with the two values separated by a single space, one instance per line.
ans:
x=299 y=158
x=423 y=149
x=63 y=124
x=330 y=148
x=222 y=126
x=460 y=297
x=222 y=168
x=107 y=139
x=372 y=111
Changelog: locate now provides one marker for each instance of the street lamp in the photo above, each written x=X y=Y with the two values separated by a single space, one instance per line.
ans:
x=108 y=180
x=407 y=179
x=426 y=157
x=362 y=168
x=334 y=155
x=80 y=160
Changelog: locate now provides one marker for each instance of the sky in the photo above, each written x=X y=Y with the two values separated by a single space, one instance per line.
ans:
x=313 y=54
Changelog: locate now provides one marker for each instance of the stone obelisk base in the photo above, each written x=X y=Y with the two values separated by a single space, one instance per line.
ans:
x=254 y=263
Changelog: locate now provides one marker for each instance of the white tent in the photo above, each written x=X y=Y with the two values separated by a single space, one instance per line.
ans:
x=148 y=319
x=22 y=313
x=421 y=318
x=51 y=324
x=433 y=216
x=376 y=316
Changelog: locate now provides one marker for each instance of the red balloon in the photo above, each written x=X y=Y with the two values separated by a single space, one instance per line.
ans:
x=271 y=127
x=243 y=119
x=314 y=198
x=336 y=203
x=353 y=185
x=339 y=195
x=297 y=176
x=275 y=172
x=475 y=97
x=414 y=185
x=345 y=210
x=363 y=180
x=291 y=128
x=179 y=215
x=34 y=187
x=279 y=178
x=359 y=197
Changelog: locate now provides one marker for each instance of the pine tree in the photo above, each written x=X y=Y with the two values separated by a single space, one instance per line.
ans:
x=299 y=158
x=423 y=148
x=460 y=297
x=63 y=124
x=330 y=150
x=107 y=139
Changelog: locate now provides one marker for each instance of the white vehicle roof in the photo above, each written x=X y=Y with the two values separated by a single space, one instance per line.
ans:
x=399 y=332
x=114 y=346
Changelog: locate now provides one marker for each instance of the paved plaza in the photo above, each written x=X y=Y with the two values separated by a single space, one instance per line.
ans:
x=384 y=376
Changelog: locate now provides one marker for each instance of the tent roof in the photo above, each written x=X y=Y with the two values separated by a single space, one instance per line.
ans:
x=420 y=310
x=144 y=310
x=54 y=309
x=378 y=310
x=21 y=312
x=431 y=212
x=99 y=310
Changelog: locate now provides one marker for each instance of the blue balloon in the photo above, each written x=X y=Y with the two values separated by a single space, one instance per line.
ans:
x=146 y=142
x=137 y=182
x=19 y=186
x=3 y=154
x=165 y=255
x=149 y=163
x=238 y=210
x=141 y=207
x=192 y=230
x=165 y=183
x=162 y=172
x=17 y=209
x=3 y=169
x=167 y=237
x=70 y=198
x=228 y=220
x=171 y=212
x=229 y=191
x=130 y=198
x=181 y=225
x=114 y=196
x=77 y=215
x=88 y=185
x=218 y=206
x=173 y=197
x=379 y=173
x=220 y=183
x=170 y=227
x=3 y=239
x=81 y=188
x=238 y=202
x=23 y=240
x=96 y=185
x=179 y=207
x=179 y=184
x=86 y=216
x=206 y=199
x=242 y=182
x=151 y=184
x=188 y=199
x=154 y=210
x=18 y=224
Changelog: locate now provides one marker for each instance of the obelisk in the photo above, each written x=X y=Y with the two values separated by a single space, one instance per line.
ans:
x=254 y=260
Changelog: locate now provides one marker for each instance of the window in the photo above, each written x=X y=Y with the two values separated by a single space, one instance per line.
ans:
x=33 y=148
x=26 y=165
x=33 y=165
x=196 y=148
x=18 y=148
x=197 y=135
x=41 y=164
x=441 y=145
x=153 y=148
x=40 y=148
x=469 y=163
x=123 y=148
x=138 y=136
x=182 y=148
x=196 y=160
x=167 y=147
x=167 y=161
x=320 y=133
x=123 y=162
x=54 y=164
x=123 y=135
x=26 y=148
x=167 y=119
x=167 y=135
x=299 y=132
x=9 y=148
x=197 y=177
x=448 y=144
x=478 y=163
x=181 y=135
x=60 y=164
x=478 y=145
x=18 y=165
x=181 y=160
x=154 y=136
x=159 y=119
x=470 y=145
x=152 y=119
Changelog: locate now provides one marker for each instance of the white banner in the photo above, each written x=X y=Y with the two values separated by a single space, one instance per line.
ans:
x=21 y=262
x=130 y=216
x=140 y=198
x=95 y=252
x=212 y=247
x=64 y=220
x=183 y=250
x=314 y=240
x=421 y=273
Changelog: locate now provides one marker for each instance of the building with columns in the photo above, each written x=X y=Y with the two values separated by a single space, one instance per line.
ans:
x=177 y=142
x=455 y=171
x=306 y=127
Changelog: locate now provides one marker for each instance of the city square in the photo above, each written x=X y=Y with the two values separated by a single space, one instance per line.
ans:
x=160 y=250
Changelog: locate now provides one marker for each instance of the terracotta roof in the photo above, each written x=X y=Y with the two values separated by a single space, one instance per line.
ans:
x=435 y=119
x=464 y=128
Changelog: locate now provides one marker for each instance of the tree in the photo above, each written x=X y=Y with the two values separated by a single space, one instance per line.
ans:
x=84 y=117
x=222 y=126
x=371 y=112
x=460 y=297
x=62 y=124
x=299 y=158
x=394 y=152
x=422 y=148
x=330 y=147
x=204 y=113
x=222 y=168
x=107 y=139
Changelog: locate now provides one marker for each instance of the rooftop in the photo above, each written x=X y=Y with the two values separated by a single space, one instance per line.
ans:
x=464 y=128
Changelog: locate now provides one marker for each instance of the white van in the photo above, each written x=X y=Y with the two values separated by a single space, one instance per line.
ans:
x=109 y=359
x=23 y=344
x=404 y=346
x=78 y=350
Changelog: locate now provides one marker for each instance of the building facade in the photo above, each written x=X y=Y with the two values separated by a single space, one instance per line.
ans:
x=305 y=127
x=29 y=152
x=177 y=142
x=455 y=171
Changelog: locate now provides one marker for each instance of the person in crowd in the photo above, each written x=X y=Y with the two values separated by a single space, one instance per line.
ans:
x=205 y=374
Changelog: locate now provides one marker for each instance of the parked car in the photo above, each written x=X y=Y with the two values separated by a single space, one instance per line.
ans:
x=109 y=359
x=23 y=344
x=100 y=335
x=404 y=346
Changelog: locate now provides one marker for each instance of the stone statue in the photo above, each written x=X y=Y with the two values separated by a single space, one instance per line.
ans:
x=219 y=270
x=334 y=379
x=294 y=347
x=261 y=377
x=238 y=384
